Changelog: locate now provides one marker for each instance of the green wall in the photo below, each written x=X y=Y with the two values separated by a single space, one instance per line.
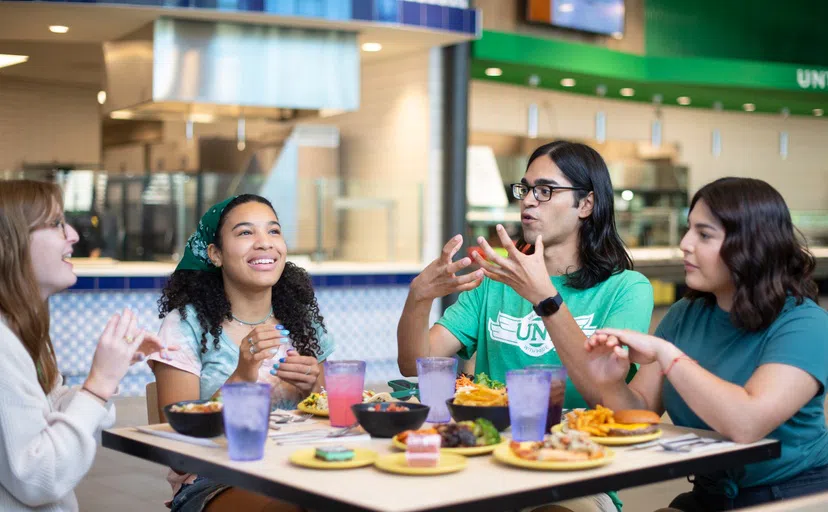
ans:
x=793 y=31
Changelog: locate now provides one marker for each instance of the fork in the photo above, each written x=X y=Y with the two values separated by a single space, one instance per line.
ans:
x=310 y=435
x=288 y=418
x=689 y=446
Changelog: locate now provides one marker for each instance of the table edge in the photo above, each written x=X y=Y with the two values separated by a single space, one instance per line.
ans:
x=514 y=501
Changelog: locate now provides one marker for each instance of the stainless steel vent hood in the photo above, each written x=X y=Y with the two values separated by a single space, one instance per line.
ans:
x=203 y=70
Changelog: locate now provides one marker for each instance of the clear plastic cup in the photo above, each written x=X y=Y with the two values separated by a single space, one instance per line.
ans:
x=246 y=413
x=528 y=391
x=344 y=383
x=557 y=392
x=437 y=377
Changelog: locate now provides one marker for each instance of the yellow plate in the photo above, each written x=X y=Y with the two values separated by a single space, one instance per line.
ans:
x=396 y=463
x=312 y=410
x=618 y=440
x=306 y=457
x=468 y=451
x=504 y=454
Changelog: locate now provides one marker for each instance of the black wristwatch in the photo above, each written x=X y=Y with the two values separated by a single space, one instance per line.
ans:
x=549 y=306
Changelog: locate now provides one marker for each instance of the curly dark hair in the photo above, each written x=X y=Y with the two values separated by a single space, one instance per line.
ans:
x=767 y=260
x=293 y=299
x=601 y=251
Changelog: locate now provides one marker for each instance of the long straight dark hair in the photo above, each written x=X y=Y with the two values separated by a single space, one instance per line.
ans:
x=601 y=251
x=25 y=206
x=762 y=249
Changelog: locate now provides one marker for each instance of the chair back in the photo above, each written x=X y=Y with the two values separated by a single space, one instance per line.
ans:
x=153 y=415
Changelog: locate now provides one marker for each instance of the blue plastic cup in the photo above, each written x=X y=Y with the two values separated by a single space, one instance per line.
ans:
x=528 y=391
x=246 y=416
x=557 y=392
x=437 y=377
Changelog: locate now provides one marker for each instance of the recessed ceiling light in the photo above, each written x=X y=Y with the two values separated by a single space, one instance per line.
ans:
x=7 y=59
x=819 y=112
x=371 y=47
x=627 y=92
x=566 y=7
x=749 y=107
x=121 y=114
x=101 y=97
x=493 y=71
x=58 y=29
x=627 y=195
x=568 y=82
x=618 y=35
x=683 y=100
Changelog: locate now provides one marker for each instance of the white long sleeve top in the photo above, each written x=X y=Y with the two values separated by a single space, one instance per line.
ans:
x=47 y=443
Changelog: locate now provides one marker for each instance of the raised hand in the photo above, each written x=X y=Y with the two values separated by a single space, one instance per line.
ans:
x=439 y=278
x=115 y=352
x=526 y=275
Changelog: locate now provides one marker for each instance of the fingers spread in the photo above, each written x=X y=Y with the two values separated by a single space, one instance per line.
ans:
x=458 y=265
x=507 y=242
x=491 y=255
x=451 y=248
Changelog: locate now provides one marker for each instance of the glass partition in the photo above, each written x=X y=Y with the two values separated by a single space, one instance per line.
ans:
x=148 y=217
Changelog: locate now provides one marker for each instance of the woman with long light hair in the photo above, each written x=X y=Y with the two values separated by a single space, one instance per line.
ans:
x=47 y=430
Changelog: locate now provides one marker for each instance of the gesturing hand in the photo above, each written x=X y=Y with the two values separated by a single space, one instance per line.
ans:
x=116 y=350
x=641 y=348
x=526 y=275
x=438 y=279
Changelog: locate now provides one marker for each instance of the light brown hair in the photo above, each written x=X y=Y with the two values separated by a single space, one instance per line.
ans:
x=25 y=206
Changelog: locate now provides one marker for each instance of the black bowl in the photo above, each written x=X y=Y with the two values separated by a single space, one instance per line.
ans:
x=389 y=424
x=195 y=424
x=498 y=415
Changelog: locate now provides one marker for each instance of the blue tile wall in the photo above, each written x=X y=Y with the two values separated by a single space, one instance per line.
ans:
x=360 y=311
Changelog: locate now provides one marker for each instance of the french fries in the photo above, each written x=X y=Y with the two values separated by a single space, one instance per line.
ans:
x=481 y=396
x=593 y=421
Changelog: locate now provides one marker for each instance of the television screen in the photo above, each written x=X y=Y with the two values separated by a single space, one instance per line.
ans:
x=597 y=16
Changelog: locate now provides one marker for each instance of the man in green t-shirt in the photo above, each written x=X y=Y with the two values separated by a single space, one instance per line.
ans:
x=539 y=304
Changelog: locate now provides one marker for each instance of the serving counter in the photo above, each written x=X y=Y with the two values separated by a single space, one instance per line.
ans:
x=360 y=302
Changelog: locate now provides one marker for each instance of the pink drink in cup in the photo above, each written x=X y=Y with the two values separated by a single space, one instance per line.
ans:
x=344 y=382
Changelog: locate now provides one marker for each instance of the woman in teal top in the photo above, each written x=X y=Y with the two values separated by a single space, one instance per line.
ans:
x=744 y=354
x=239 y=313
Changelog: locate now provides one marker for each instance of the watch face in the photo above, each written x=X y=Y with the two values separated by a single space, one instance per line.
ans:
x=549 y=306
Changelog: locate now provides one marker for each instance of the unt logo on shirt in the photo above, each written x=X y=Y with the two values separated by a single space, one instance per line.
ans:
x=529 y=333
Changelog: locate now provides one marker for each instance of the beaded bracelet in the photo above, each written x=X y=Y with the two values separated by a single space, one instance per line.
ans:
x=674 y=361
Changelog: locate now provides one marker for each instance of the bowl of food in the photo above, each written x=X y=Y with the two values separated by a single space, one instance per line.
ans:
x=387 y=419
x=482 y=398
x=196 y=418
x=497 y=414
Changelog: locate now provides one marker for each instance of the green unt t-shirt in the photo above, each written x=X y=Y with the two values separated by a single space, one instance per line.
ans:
x=501 y=327
x=798 y=337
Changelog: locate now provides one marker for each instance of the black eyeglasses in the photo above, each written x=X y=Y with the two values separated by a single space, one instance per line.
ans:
x=57 y=224
x=542 y=193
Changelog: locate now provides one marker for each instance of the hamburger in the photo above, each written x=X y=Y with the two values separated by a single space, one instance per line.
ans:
x=633 y=422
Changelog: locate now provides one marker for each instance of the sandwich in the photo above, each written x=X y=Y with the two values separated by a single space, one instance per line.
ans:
x=632 y=422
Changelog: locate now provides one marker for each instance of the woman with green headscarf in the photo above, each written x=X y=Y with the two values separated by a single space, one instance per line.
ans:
x=240 y=313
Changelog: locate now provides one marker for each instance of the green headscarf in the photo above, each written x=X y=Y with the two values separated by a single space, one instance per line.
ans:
x=195 y=252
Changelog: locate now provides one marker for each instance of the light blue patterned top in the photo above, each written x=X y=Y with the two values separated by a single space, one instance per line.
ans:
x=216 y=365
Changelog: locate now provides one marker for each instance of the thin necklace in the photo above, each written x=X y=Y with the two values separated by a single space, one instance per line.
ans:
x=260 y=322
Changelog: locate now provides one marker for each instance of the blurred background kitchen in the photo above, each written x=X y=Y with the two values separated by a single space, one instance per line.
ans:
x=380 y=128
